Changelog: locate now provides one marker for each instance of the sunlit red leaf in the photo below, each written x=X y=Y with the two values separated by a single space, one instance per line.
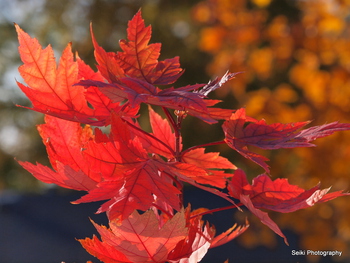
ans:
x=139 y=59
x=64 y=176
x=64 y=141
x=140 y=237
x=132 y=179
x=209 y=160
x=52 y=89
x=103 y=251
x=134 y=190
x=107 y=62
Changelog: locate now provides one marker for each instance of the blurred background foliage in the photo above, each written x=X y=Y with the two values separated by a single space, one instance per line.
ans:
x=295 y=59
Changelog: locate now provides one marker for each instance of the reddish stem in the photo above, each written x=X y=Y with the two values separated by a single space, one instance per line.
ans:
x=170 y=118
x=177 y=131
x=203 y=145
x=217 y=210
x=150 y=135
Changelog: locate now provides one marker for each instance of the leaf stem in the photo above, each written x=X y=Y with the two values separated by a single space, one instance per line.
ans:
x=178 y=138
x=203 y=145
x=217 y=210
x=177 y=131
x=149 y=135
x=170 y=118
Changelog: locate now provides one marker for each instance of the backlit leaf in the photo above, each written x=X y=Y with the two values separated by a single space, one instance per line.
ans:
x=241 y=131
x=52 y=89
x=139 y=59
x=140 y=238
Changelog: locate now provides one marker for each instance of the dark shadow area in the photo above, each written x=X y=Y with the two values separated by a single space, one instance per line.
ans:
x=44 y=229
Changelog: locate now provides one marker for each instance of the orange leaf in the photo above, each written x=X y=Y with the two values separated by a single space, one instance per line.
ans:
x=103 y=251
x=132 y=178
x=139 y=59
x=141 y=239
x=52 y=89
x=64 y=140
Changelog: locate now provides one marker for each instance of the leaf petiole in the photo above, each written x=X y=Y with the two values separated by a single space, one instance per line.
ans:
x=217 y=210
x=203 y=145
x=149 y=135
x=177 y=131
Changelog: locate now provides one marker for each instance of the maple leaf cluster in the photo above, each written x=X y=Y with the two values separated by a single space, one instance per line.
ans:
x=140 y=174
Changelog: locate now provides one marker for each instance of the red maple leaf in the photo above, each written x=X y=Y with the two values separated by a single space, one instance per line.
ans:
x=276 y=195
x=139 y=59
x=64 y=141
x=136 y=170
x=103 y=251
x=132 y=75
x=120 y=170
x=136 y=178
x=162 y=141
x=149 y=237
x=139 y=238
x=241 y=131
x=132 y=178
x=52 y=89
